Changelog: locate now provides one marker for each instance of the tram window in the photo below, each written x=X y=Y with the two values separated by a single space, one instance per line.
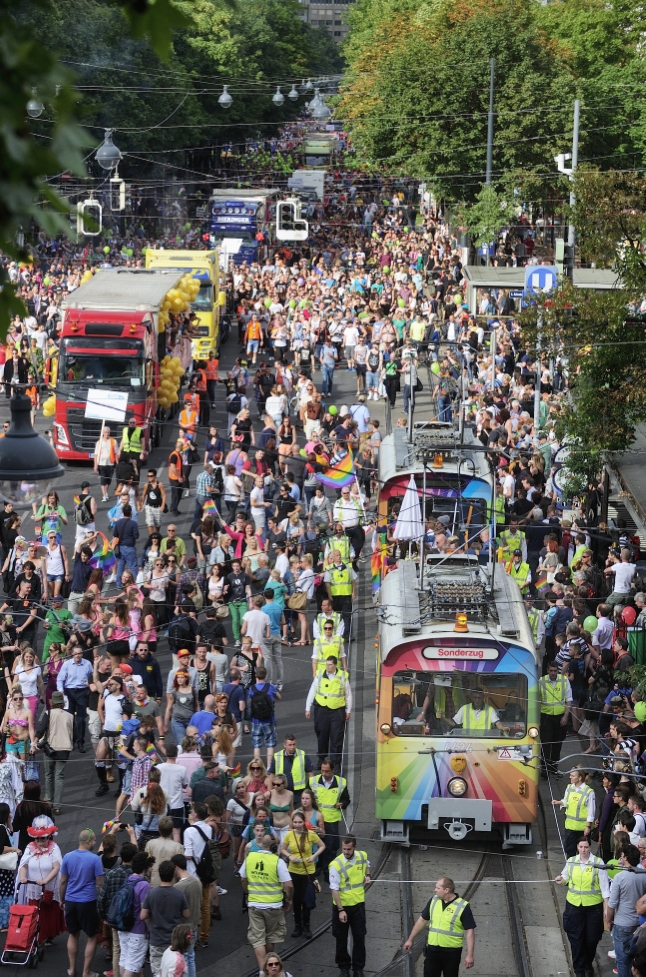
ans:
x=459 y=704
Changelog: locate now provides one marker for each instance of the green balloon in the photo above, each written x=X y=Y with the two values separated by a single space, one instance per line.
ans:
x=292 y=303
x=332 y=410
x=267 y=303
x=144 y=250
x=591 y=623
x=303 y=453
x=106 y=249
x=401 y=303
x=435 y=368
x=47 y=281
x=129 y=252
x=386 y=269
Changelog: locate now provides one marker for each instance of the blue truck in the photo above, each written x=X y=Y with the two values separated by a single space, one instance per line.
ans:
x=242 y=224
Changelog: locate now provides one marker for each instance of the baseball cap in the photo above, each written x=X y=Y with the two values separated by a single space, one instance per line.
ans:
x=57 y=599
x=85 y=485
x=183 y=653
x=126 y=669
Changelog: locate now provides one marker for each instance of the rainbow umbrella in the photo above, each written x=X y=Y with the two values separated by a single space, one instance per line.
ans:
x=103 y=557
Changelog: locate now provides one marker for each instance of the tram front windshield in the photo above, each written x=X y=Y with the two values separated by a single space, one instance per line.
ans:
x=459 y=704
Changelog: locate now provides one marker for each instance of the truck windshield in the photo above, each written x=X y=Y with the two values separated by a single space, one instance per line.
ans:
x=218 y=238
x=458 y=704
x=117 y=362
x=204 y=300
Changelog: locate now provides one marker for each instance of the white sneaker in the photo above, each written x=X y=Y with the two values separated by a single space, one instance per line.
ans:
x=612 y=954
x=221 y=891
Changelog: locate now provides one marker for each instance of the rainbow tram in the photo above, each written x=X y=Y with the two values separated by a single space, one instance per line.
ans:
x=457 y=687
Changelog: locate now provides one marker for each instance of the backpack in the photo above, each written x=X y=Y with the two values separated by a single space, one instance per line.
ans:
x=121 y=914
x=262 y=708
x=180 y=632
x=83 y=516
x=205 y=869
x=234 y=406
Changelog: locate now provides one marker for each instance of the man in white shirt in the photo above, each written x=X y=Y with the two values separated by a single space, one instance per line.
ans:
x=360 y=413
x=623 y=573
x=603 y=634
x=348 y=512
x=259 y=871
x=256 y=623
x=174 y=779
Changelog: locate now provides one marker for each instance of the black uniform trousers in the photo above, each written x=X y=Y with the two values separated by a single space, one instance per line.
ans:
x=442 y=961
x=572 y=839
x=357 y=537
x=342 y=604
x=355 y=924
x=332 y=843
x=552 y=736
x=584 y=928
x=329 y=726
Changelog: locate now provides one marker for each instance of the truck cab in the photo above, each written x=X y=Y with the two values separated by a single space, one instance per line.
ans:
x=241 y=224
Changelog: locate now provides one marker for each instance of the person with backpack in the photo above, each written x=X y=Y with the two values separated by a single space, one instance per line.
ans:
x=84 y=513
x=199 y=862
x=163 y=908
x=113 y=881
x=262 y=698
x=124 y=916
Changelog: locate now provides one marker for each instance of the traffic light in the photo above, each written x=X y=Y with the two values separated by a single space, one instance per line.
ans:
x=89 y=217
x=289 y=225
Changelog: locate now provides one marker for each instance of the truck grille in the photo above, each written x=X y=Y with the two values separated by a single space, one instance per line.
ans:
x=83 y=433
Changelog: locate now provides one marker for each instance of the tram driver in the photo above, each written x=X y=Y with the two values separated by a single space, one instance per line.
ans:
x=476 y=716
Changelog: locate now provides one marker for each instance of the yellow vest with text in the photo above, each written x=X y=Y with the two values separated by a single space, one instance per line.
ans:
x=299 y=777
x=553 y=695
x=131 y=440
x=325 y=648
x=342 y=545
x=445 y=924
x=263 y=883
x=576 y=806
x=471 y=721
x=352 y=877
x=329 y=690
x=341 y=581
x=520 y=573
x=583 y=885
x=328 y=797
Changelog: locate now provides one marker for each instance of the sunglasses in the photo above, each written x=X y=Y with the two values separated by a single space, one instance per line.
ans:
x=279 y=784
x=255 y=768
x=16 y=697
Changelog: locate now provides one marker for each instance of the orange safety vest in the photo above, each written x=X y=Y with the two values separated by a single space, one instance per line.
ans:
x=113 y=454
x=212 y=367
x=188 y=419
x=175 y=467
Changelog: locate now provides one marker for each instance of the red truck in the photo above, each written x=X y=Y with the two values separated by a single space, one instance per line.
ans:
x=110 y=352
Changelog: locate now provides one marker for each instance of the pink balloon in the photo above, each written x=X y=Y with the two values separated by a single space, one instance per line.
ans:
x=628 y=615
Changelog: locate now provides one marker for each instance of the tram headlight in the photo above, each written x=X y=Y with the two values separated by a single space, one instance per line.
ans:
x=533 y=732
x=386 y=729
x=457 y=786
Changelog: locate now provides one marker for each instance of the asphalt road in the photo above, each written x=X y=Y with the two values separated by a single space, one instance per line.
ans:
x=81 y=808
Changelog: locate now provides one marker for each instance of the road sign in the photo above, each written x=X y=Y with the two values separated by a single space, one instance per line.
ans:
x=541 y=278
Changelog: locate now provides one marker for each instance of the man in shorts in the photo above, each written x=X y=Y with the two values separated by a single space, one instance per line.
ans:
x=266 y=880
x=263 y=719
x=81 y=878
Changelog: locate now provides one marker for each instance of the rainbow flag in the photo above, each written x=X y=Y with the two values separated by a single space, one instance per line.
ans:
x=338 y=475
x=541 y=585
x=208 y=508
x=103 y=558
x=377 y=562
x=77 y=501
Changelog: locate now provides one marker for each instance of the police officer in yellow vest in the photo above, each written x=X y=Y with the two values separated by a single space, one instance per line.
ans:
x=450 y=921
x=331 y=696
x=475 y=717
x=327 y=614
x=341 y=543
x=556 y=701
x=266 y=879
x=340 y=584
x=331 y=791
x=349 y=875
x=295 y=765
x=580 y=809
x=588 y=892
x=131 y=445
x=519 y=571
x=512 y=539
x=328 y=644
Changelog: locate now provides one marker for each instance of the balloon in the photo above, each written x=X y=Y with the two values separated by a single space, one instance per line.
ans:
x=435 y=368
x=640 y=711
x=628 y=615
x=129 y=252
x=106 y=249
x=591 y=623
x=332 y=410
x=144 y=250
x=267 y=303
x=303 y=453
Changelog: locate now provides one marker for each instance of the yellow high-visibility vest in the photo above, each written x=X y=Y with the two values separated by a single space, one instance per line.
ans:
x=131 y=440
x=445 y=924
x=325 y=648
x=584 y=886
x=330 y=689
x=299 y=777
x=471 y=721
x=328 y=797
x=575 y=800
x=341 y=581
x=553 y=695
x=263 y=883
x=352 y=876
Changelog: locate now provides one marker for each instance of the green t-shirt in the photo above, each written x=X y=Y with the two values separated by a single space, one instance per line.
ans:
x=180 y=546
x=55 y=631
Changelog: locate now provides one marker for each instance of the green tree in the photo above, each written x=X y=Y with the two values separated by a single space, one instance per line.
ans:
x=484 y=219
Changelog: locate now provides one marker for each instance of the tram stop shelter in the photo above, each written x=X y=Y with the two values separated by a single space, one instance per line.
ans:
x=481 y=279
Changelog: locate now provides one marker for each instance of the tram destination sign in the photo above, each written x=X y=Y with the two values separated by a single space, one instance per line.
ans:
x=460 y=654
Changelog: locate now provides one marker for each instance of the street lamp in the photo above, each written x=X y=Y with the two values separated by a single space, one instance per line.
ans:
x=225 y=99
x=28 y=463
x=293 y=94
x=34 y=105
x=108 y=156
x=321 y=111
x=278 y=98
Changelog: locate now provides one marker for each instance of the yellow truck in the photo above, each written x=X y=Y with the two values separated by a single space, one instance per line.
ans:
x=204 y=266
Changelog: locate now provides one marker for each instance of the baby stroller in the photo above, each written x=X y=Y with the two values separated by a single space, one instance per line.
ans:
x=21 y=946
